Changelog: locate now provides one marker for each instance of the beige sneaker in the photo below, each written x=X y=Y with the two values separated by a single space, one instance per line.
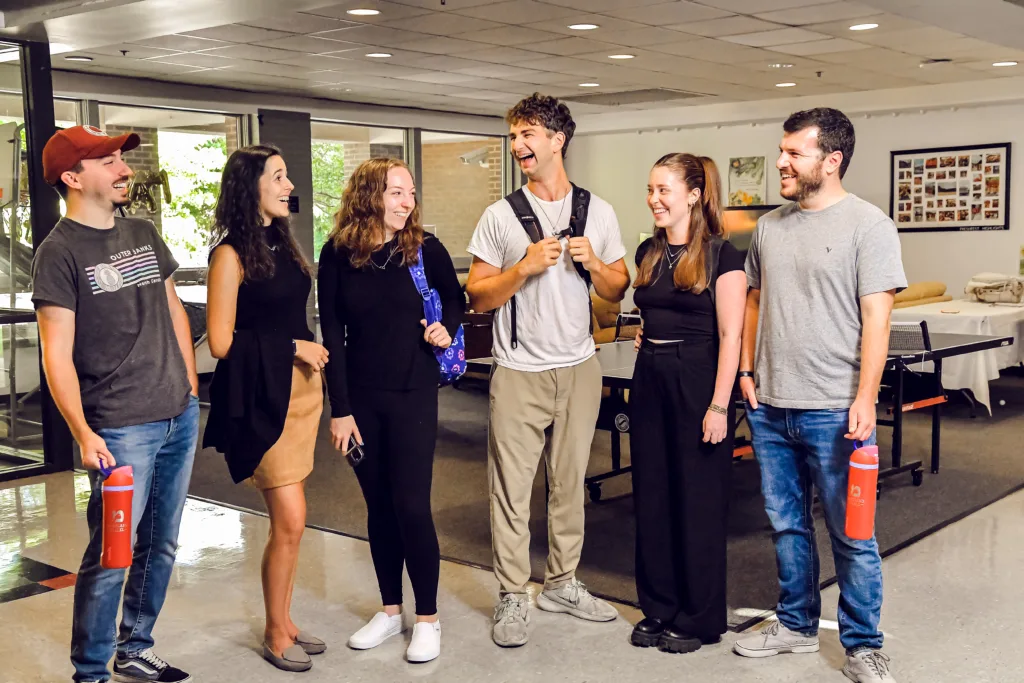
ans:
x=511 y=618
x=868 y=666
x=574 y=598
x=775 y=639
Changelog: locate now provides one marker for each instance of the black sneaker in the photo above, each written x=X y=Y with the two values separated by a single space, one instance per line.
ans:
x=146 y=666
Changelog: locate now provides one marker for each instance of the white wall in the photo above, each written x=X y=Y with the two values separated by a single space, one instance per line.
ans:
x=615 y=166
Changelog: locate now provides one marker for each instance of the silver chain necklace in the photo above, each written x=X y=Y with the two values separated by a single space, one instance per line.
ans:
x=673 y=259
x=554 y=224
x=394 y=250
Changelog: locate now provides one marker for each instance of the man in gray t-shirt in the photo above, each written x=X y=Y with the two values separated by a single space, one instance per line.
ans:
x=118 y=358
x=822 y=273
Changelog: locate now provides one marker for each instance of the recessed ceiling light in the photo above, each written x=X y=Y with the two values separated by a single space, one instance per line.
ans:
x=863 y=27
x=583 y=27
x=363 y=12
x=779 y=65
x=379 y=55
x=1004 y=63
x=78 y=58
x=621 y=56
x=589 y=85
x=785 y=85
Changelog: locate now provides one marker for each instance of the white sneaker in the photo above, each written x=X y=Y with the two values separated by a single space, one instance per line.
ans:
x=426 y=642
x=775 y=639
x=377 y=630
x=868 y=666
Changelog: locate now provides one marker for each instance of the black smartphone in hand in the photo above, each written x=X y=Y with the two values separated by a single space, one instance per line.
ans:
x=355 y=453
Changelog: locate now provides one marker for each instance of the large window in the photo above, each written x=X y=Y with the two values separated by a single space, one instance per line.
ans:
x=177 y=171
x=20 y=412
x=338 y=149
x=462 y=176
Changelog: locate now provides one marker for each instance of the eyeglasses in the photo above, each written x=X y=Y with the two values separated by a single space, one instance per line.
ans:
x=355 y=452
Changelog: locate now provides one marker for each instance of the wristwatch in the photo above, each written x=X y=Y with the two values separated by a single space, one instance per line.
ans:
x=295 y=348
x=746 y=373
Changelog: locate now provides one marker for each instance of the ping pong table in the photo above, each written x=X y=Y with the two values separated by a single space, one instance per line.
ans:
x=909 y=346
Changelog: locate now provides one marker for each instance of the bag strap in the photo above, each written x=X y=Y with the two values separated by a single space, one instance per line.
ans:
x=524 y=212
x=419 y=275
x=712 y=266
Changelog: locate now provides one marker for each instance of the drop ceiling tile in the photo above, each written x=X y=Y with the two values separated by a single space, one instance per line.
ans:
x=500 y=85
x=448 y=63
x=443 y=24
x=820 y=47
x=389 y=11
x=150 y=66
x=645 y=37
x=518 y=12
x=237 y=33
x=678 y=11
x=299 y=22
x=752 y=6
x=441 y=77
x=605 y=23
x=180 y=43
x=398 y=58
x=643 y=59
x=327 y=62
x=510 y=36
x=565 y=65
x=282 y=70
x=568 y=47
x=134 y=51
x=986 y=66
x=194 y=59
x=784 y=36
x=603 y=5
x=309 y=44
x=729 y=26
x=495 y=54
x=887 y=23
x=373 y=35
x=816 y=14
x=443 y=45
x=500 y=71
x=873 y=58
x=255 y=52
x=713 y=50
x=450 y=6
x=920 y=37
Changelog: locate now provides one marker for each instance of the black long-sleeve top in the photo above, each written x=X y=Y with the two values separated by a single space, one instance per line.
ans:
x=370 y=320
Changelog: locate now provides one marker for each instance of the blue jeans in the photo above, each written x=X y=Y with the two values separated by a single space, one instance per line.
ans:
x=795 y=449
x=161 y=455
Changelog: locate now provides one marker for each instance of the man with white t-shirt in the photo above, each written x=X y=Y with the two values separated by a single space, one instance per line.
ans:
x=536 y=253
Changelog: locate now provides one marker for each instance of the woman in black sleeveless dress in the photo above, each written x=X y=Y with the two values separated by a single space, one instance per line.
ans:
x=682 y=430
x=267 y=392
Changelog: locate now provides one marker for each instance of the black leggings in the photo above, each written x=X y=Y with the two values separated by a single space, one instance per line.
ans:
x=399 y=429
x=680 y=487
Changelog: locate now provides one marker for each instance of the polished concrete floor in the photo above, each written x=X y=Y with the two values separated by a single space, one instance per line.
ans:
x=951 y=605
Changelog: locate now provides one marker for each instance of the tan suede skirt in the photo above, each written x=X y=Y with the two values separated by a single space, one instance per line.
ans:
x=290 y=459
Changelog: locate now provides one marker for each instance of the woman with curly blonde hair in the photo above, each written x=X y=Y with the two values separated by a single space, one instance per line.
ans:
x=383 y=380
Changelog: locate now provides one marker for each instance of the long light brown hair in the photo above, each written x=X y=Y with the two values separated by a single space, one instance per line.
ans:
x=705 y=221
x=359 y=223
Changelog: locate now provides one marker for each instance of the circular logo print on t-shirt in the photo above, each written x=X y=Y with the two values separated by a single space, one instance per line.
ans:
x=108 y=278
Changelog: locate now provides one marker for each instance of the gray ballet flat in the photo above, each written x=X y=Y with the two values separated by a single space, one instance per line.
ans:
x=293 y=658
x=310 y=644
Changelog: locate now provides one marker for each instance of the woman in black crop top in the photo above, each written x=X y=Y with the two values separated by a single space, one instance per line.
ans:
x=267 y=393
x=682 y=428
x=383 y=380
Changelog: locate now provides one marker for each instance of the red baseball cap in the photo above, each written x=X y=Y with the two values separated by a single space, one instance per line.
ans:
x=69 y=146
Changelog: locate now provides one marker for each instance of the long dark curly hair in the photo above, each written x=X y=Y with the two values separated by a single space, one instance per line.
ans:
x=238 y=221
x=359 y=223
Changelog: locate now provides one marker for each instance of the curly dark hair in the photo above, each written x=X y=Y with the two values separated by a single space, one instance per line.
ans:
x=835 y=132
x=237 y=218
x=359 y=223
x=543 y=110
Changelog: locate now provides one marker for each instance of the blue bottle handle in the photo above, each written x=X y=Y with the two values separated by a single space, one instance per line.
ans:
x=105 y=470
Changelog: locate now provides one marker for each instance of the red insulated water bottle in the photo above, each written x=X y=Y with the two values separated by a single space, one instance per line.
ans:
x=117 y=518
x=860 y=498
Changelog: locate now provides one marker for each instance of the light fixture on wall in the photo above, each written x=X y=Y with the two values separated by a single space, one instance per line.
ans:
x=477 y=156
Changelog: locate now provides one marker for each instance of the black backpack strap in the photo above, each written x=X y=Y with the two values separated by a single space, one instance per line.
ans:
x=578 y=224
x=711 y=266
x=524 y=212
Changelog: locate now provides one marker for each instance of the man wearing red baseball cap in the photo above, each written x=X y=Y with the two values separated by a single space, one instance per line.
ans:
x=119 y=361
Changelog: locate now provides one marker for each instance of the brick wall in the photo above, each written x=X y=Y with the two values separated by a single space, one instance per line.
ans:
x=145 y=157
x=455 y=194
x=355 y=154
x=231 y=133
x=387 y=151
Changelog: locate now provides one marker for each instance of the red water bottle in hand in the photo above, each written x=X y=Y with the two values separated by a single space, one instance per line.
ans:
x=117 y=518
x=860 y=498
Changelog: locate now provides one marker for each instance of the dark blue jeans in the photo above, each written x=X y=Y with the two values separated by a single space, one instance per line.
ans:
x=161 y=455
x=795 y=450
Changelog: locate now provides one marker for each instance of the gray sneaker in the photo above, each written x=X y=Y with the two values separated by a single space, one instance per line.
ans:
x=574 y=598
x=511 y=617
x=868 y=666
x=775 y=639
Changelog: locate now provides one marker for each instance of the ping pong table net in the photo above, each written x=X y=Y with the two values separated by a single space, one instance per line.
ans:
x=909 y=337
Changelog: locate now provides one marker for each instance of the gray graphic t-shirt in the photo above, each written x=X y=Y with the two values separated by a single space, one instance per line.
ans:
x=127 y=358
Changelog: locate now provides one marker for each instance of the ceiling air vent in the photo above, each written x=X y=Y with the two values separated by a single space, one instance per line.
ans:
x=647 y=95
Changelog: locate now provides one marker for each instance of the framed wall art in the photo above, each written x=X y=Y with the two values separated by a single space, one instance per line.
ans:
x=747 y=182
x=951 y=188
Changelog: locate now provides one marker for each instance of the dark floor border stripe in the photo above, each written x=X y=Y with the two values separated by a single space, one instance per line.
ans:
x=737 y=628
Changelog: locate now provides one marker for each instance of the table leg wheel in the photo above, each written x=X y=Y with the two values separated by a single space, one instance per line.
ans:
x=918 y=477
x=595 y=492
